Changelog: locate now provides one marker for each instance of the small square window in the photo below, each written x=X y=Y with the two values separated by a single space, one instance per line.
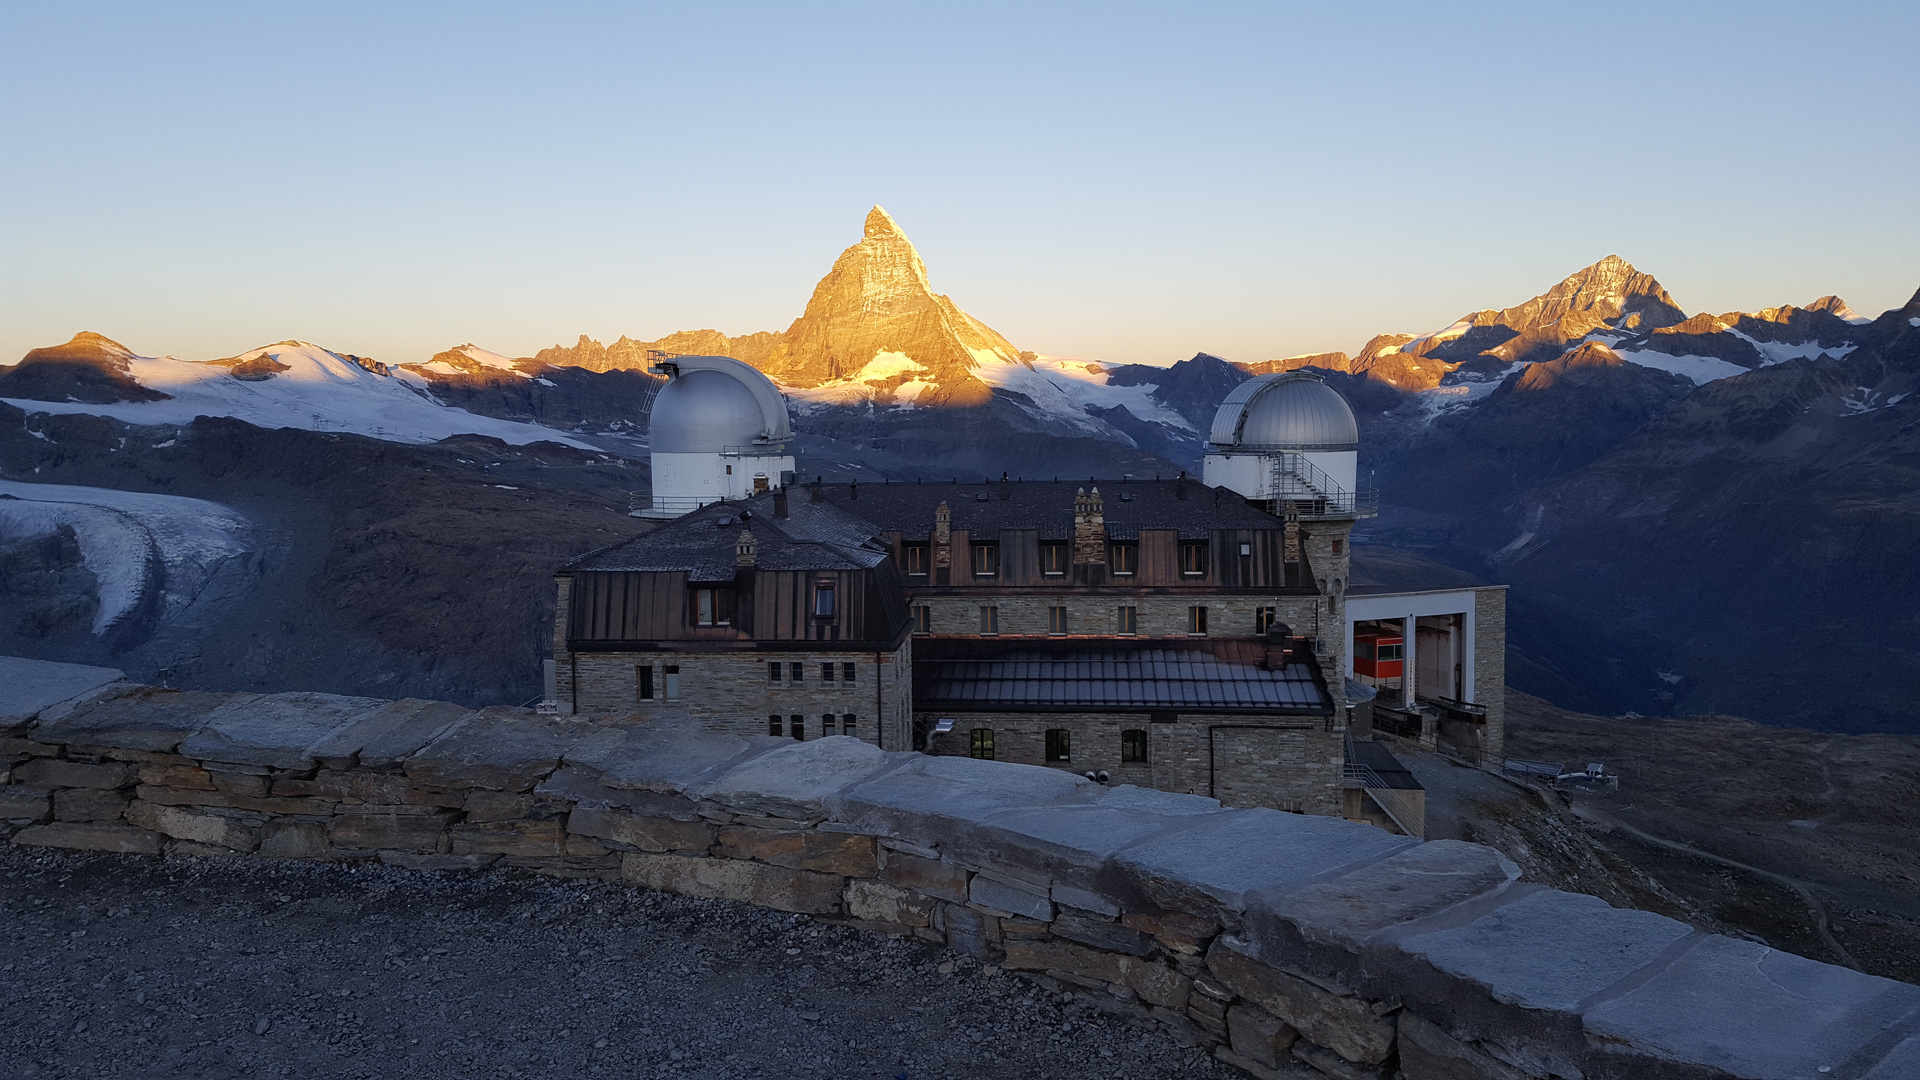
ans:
x=1264 y=620
x=917 y=557
x=1133 y=747
x=797 y=726
x=846 y=673
x=980 y=743
x=1054 y=558
x=1057 y=619
x=986 y=560
x=773 y=671
x=922 y=619
x=797 y=671
x=1123 y=559
x=823 y=600
x=773 y=724
x=826 y=672
x=643 y=682
x=1193 y=557
x=989 y=619
x=1196 y=620
x=847 y=725
x=1129 y=620
x=1059 y=744
x=673 y=682
x=1339 y=546
x=826 y=725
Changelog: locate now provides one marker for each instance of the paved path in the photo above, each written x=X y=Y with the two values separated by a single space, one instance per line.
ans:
x=132 y=967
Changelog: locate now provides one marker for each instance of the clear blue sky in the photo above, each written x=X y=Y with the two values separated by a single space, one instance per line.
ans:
x=1100 y=180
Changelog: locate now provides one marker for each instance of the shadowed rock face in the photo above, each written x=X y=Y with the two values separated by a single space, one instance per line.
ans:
x=89 y=368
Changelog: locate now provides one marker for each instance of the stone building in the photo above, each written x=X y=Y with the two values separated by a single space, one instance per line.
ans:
x=1178 y=634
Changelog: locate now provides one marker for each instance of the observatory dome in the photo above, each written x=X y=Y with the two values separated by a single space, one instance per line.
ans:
x=704 y=412
x=1292 y=411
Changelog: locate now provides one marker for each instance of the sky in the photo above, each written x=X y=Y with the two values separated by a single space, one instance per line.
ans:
x=1131 y=183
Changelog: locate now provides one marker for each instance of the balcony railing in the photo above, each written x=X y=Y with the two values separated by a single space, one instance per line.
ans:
x=1300 y=486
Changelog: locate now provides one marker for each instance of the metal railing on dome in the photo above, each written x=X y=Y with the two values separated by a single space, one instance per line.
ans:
x=1297 y=484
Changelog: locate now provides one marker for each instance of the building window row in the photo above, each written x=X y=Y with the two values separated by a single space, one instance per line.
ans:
x=1056 y=558
x=1059 y=745
x=795 y=672
x=795 y=725
x=1126 y=619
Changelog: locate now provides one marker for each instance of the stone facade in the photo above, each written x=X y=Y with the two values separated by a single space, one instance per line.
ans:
x=731 y=691
x=1490 y=669
x=1284 y=945
x=1026 y=613
x=1292 y=765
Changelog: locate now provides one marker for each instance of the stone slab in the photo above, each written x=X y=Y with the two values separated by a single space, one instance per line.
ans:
x=725 y=879
x=670 y=754
x=1752 y=1011
x=505 y=749
x=92 y=836
x=932 y=800
x=1345 y=911
x=1073 y=843
x=388 y=735
x=1347 y=1025
x=144 y=718
x=1010 y=898
x=1547 y=950
x=275 y=730
x=640 y=831
x=55 y=773
x=1223 y=859
x=229 y=829
x=847 y=854
x=28 y=686
x=797 y=780
x=1427 y=1052
x=1900 y=1063
x=19 y=803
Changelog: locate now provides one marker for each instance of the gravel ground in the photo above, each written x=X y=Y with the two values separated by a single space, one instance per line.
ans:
x=126 y=966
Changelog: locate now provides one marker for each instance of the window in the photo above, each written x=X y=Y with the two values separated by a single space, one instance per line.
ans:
x=1057 y=619
x=1123 y=559
x=1338 y=546
x=823 y=600
x=1059 y=744
x=797 y=726
x=643 y=682
x=826 y=672
x=773 y=724
x=1246 y=550
x=1363 y=650
x=1053 y=559
x=922 y=619
x=846 y=673
x=989 y=619
x=1196 y=620
x=1263 y=620
x=712 y=607
x=797 y=671
x=773 y=671
x=826 y=724
x=1391 y=652
x=1193 y=557
x=917 y=557
x=1133 y=747
x=673 y=682
x=986 y=560
x=980 y=743
x=846 y=724
x=1129 y=619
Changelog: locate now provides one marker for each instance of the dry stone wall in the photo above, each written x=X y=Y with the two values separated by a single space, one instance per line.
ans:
x=1293 y=946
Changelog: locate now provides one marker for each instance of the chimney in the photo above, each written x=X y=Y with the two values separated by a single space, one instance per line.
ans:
x=1089 y=527
x=745 y=552
x=780 y=504
x=853 y=491
x=1279 y=646
x=1006 y=491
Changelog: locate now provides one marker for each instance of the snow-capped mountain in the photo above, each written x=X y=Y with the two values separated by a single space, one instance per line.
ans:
x=292 y=384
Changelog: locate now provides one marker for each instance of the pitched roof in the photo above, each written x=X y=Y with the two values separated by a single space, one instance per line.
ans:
x=984 y=507
x=1213 y=676
x=815 y=536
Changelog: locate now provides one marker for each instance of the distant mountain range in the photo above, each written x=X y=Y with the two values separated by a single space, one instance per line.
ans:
x=1697 y=513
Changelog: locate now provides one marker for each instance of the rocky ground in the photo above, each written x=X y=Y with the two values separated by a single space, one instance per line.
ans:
x=124 y=966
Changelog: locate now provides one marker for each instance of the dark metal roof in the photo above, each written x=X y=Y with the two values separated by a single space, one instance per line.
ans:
x=816 y=536
x=1152 y=676
x=1043 y=505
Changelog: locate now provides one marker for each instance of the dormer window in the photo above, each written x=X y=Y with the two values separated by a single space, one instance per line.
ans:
x=1053 y=558
x=1123 y=559
x=1193 y=558
x=986 y=560
x=917 y=558
x=823 y=600
x=711 y=607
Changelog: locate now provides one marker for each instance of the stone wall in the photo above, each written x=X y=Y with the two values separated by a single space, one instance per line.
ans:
x=1292 y=946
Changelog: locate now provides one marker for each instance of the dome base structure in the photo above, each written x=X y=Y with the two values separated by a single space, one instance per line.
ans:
x=683 y=483
x=1289 y=440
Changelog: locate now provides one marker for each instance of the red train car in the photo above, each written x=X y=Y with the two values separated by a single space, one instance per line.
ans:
x=1378 y=655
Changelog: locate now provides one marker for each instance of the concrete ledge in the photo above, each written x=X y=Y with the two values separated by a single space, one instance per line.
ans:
x=1292 y=946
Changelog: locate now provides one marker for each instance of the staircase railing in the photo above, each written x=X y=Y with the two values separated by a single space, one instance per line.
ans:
x=1299 y=483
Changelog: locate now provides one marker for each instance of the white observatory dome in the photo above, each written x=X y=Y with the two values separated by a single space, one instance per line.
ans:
x=1294 y=411
x=704 y=412
x=719 y=430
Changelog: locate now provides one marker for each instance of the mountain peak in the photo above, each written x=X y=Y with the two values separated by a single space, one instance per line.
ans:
x=880 y=223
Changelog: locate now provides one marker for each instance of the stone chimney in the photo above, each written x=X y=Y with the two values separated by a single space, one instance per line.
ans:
x=745 y=552
x=780 y=504
x=942 y=544
x=1089 y=527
